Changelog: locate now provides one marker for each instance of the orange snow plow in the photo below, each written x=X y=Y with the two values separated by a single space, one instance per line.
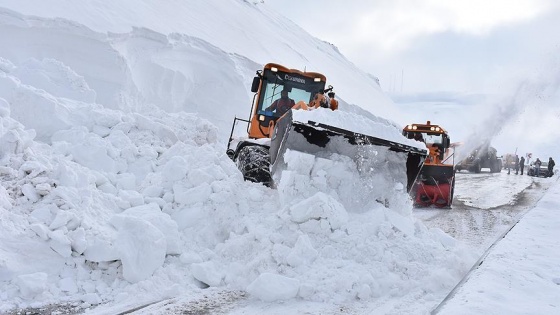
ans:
x=274 y=126
x=436 y=181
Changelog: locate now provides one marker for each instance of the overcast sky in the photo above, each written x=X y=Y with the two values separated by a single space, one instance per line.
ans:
x=433 y=45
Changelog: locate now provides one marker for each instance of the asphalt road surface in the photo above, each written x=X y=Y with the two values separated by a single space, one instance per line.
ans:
x=485 y=206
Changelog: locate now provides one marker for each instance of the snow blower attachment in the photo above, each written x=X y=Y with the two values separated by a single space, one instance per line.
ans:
x=279 y=121
x=436 y=182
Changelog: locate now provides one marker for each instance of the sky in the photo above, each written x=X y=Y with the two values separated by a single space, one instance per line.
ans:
x=116 y=190
x=498 y=60
x=426 y=46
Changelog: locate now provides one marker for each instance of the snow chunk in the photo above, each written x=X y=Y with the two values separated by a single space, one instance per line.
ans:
x=140 y=245
x=30 y=192
x=132 y=196
x=207 y=273
x=320 y=207
x=302 y=253
x=61 y=219
x=60 y=243
x=44 y=214
x=271 y=287
x=15 y=141
x=41 y=231
x=68 y=285
x=152 y=213
x=78 y=240
x=5 y=200
x=101 y=250
x=175 y=169
x=31 y=285
x=189 y=196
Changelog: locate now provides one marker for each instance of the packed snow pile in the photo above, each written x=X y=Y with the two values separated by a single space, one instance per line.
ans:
x=107 y=197
x=113 y=203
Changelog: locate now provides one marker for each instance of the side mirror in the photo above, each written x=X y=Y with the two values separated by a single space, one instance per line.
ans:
x=255 y=85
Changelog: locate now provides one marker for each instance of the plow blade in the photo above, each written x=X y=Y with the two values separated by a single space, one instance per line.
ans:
x=327 y=139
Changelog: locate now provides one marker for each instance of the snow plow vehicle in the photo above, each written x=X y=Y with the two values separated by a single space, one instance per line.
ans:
x=483 y=156
x=285 y=114
x=435 y=184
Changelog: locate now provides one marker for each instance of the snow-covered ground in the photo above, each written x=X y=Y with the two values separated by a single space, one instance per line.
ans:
x=116 y=191
x=519 y=274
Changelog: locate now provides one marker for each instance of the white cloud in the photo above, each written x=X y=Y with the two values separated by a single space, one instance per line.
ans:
x=467 y=46
x=394 y=25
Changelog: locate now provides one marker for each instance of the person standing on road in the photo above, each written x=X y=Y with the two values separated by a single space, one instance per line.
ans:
x=521 y=164
x=516 y=164
x=550 y=166
x=538 y=166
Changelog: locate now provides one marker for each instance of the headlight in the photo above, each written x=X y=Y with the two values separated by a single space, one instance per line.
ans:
x=317 y=79
x=261 y=117
x=274 y=69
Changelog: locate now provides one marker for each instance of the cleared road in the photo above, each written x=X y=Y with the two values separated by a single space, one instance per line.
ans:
x=485 y=206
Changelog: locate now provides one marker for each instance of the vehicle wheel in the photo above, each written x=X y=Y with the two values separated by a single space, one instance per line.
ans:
x=497 y=167
x=477 y=168
x=254 y=163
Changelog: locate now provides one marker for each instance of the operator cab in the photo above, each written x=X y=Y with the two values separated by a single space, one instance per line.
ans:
x=435 y=137
x=300 y=87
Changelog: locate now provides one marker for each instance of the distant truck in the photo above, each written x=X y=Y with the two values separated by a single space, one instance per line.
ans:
x=509 y=161
x=484 y=156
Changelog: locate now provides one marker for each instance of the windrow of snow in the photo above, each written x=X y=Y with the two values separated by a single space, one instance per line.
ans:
x=250 y=29
x=111 y=69
x=113 y=203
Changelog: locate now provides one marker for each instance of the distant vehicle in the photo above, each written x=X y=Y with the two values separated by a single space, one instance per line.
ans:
x=484 y=156
x=543 y=171
x=509 y=161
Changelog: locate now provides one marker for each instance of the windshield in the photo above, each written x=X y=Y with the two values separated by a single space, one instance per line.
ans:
x=299 y=88
x=426 y=137
x=433 y=138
